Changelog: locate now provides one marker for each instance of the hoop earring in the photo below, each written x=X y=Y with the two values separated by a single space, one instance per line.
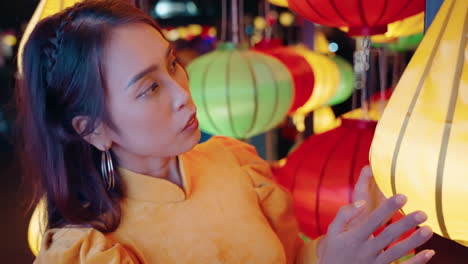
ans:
x=107 y=169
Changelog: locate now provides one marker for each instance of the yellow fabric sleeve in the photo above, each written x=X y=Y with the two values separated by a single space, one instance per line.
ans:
x=275 y=201
x=82 y=246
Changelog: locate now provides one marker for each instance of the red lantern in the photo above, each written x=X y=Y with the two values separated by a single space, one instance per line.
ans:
x=363 y=17
x=300 y=69
x=322 y=171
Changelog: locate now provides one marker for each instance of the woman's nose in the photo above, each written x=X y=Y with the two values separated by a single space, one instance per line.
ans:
x=181 y=97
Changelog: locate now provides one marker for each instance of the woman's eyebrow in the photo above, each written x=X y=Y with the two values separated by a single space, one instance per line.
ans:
x=147 y=70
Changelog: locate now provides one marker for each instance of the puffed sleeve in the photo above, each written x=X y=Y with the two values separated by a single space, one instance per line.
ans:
x=82 y=246
x=275 y=201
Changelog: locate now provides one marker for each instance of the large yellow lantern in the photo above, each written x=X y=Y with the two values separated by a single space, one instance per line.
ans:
x=44 y=9
x=420 y=146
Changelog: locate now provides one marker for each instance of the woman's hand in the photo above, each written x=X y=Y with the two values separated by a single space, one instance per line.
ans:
x=349 y=238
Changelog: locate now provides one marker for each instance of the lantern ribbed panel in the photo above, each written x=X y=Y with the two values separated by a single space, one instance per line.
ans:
x=301 y=72
x=322 y=171
x=239 y=93
x=326 y=79
x=421 y=144
x=406 y=27
x=363 y=17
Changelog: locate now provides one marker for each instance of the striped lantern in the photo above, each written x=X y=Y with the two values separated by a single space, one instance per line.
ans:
x=363 y=17
x=322 y=171
x=327 y=79
x=406 y=27
x=421 y=142
x=346 y=83
x=301 y=72
x=239 y=93
x=326 y=82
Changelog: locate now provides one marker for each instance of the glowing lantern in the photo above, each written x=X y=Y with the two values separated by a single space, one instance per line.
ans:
x=322 y=171
x=321 y=43
x=44 y=9
x=406 y=27
x=282 y=3
x=346 y=84
x=260 y=23
x=239 y=93
x=363 y=17
x=406 y=43
x=325 y=120
x=36 y=228
x=300 y=69
x=420 y=146
x=286 y=19
x=376 y=106
x=327 y=78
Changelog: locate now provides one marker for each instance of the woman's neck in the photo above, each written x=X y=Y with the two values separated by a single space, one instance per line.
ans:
x=163 y=168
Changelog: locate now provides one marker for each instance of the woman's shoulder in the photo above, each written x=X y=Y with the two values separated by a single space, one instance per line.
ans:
x=82 y=245
x=227 y=144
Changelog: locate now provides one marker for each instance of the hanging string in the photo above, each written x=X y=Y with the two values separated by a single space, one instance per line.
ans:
x=383 y=78
x=235 y=21
x=241 y=21
x=268 y=28
x=223 y=20
x=361 y=66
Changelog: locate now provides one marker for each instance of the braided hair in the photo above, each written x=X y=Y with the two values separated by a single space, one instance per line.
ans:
x=55 y=41
x=63 y=79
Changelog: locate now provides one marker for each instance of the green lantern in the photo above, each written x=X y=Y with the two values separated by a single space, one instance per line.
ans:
x=239 y=93
x=406 y=43
x=346 y=84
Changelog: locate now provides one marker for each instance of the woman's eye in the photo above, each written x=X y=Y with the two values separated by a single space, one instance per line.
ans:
x=149 y=91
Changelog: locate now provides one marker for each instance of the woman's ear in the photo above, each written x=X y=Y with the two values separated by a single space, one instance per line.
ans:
x=99 y=138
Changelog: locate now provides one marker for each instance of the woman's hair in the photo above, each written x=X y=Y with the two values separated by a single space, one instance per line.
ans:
x=62 y=79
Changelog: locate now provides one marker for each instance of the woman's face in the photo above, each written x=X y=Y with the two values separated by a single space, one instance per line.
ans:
x=148 y=96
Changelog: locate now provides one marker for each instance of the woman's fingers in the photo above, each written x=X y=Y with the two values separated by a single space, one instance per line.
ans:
x=361 y=189
x=380 y=216
x=421 y=258
x=345 y=215
x=396 y=230
x=400 y=249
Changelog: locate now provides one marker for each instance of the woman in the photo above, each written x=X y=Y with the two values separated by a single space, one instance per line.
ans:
x=103 y=88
